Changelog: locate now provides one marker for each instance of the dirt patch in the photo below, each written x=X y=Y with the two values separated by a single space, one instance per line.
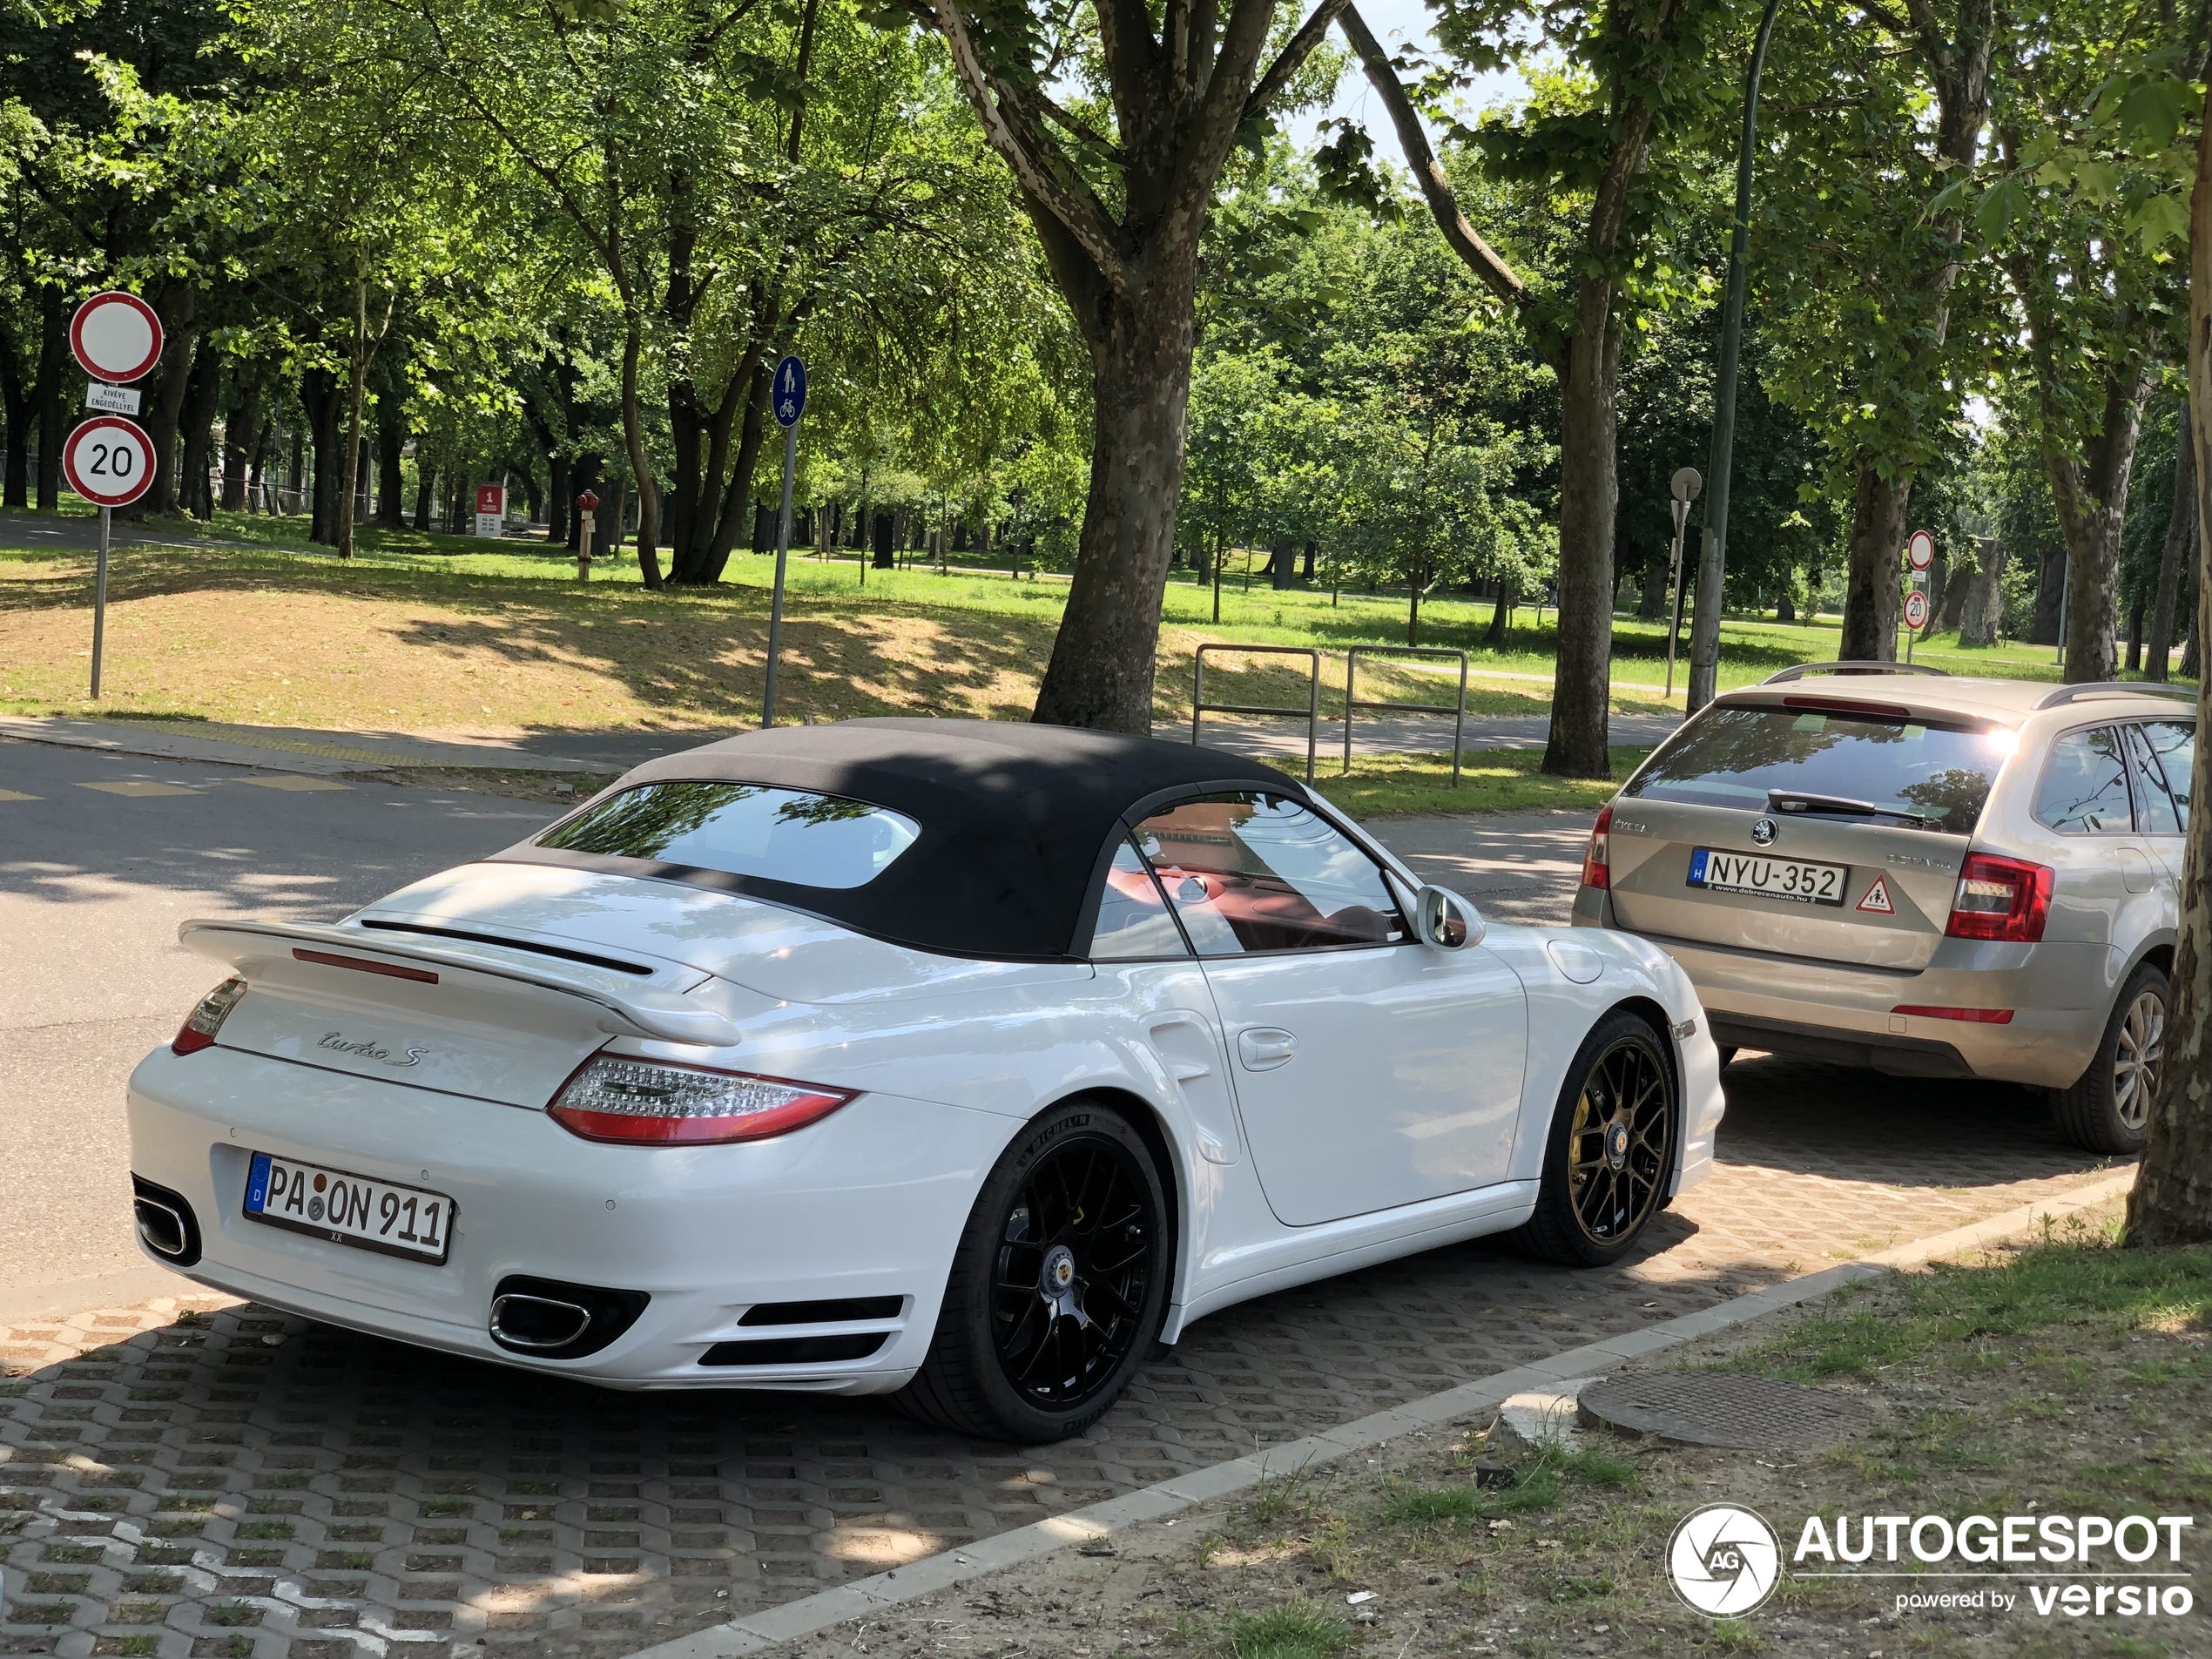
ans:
x=2031 y=1382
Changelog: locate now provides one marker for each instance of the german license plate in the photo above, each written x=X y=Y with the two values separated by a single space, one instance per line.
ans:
x=1789 y=879
x=348 y=1208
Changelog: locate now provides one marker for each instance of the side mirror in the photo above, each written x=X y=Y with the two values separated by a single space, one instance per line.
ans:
x=1444 y=921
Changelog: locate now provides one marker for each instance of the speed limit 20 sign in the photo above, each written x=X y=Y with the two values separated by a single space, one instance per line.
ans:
x=108 y=461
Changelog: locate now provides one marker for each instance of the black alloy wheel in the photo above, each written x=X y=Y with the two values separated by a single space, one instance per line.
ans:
x=1058 y=1285
x=1610 y=1156
x=1074 y=1263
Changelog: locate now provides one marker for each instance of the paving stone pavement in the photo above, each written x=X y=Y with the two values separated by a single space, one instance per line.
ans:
x=196 y=1477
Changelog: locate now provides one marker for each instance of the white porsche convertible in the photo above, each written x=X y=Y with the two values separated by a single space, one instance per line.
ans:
x=959 y=1059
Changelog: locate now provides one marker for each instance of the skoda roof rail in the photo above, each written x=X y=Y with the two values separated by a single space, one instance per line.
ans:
x=2067 y=694
x=1800 y=669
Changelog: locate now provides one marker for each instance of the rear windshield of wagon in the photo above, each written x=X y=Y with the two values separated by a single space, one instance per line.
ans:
x=742 y=829
x=1821 y=762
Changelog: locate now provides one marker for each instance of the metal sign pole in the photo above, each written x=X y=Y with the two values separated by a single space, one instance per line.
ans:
x=787 y=400
x=99 y=604
x=1674 y=586
x=783 y=550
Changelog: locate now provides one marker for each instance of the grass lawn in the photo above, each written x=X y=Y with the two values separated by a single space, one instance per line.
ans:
x=2063 y=1376
x=449 y=635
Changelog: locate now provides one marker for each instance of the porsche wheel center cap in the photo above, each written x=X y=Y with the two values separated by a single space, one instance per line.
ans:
x=1059 y=1270
x=1616 y=1145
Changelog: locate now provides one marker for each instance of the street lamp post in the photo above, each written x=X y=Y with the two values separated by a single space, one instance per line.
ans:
x=1705 y=629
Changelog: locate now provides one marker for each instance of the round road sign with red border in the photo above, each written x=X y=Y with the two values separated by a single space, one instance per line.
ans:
x=108 y=461
x=1916 y=610
x=1920 y=552
x=115 y=337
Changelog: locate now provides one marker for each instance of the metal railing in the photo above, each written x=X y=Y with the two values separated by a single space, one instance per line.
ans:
x=1311 y=711
x=1353 y=701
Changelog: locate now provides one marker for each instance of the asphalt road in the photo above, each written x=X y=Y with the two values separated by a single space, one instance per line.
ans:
x=104 y=854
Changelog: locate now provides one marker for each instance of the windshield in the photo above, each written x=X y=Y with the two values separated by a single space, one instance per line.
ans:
x=1742 y=757
x=742 y=829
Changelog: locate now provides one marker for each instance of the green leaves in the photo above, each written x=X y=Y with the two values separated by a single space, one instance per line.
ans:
x=2002 y=206
x=2146 y=108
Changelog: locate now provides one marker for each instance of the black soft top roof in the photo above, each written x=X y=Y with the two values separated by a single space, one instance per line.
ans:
x=1016 y=820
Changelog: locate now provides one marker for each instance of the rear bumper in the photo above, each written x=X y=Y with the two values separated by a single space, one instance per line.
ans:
x=868 y=1204
x=2059 y=994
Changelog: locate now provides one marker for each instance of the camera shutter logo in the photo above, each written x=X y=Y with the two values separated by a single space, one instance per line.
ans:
x=1724 y=1560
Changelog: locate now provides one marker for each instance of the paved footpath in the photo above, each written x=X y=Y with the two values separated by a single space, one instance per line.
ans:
x=184 y=1476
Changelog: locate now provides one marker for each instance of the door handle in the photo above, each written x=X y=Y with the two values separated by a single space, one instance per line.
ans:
x=1264 y=1047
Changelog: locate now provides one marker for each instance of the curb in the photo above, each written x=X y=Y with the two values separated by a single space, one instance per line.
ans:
x=758 y=1632
x=270 y=749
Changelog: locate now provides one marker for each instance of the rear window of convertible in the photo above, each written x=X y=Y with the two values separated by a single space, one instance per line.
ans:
x=742 y=829
x=1835 y=765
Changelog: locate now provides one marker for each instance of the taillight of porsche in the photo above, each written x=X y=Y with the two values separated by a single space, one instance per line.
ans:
x=664 y=1102
x=1597 y=867
x=2003 y=898
x=200 y=1026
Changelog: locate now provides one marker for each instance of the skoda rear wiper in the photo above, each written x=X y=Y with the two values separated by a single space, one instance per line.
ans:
x=1792 y=800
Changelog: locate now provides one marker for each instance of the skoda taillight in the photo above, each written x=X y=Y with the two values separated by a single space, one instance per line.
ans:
x=2002 y=898
x=1597 y=867
x=664 y=1102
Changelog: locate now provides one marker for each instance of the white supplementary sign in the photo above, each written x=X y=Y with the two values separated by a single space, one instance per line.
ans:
x=115 y=400
x=108 y=461
x=115 y=337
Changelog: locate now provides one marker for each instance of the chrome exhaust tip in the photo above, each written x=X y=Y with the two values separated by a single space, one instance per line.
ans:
x=165 y=1224
x=162 y=1228
x=537 y=1323
x=547 y=1318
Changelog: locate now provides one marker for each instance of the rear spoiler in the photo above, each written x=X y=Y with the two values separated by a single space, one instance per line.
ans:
x=624 y=1010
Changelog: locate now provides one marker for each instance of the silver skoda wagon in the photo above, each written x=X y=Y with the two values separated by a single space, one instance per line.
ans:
x=1933 y=877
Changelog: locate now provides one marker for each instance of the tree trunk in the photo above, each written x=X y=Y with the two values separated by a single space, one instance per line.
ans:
x=1104 y=657
x=238 y=434
x=164 y=404
x=15 y=404
x=1983 y=604
x=320 y=393
x=751 y=428
x=633 y=437
x=53 y=358
x=1501 y=613
x=2089 y=489
x=1651 y=603
x=1588 y=494
x=2180 y=547
x=391 y=439
x=203 y=394
x=1871 y=597
x=1785 y=606
x=2050 y=588
x=2172 y=1200
x=560 y=495
x=356 y=378
x=2135 y=636
x=426 y=483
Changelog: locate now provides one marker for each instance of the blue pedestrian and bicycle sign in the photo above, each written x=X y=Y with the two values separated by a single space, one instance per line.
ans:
x=789 y=397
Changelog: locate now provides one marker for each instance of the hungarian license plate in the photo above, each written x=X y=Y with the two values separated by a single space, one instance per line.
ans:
x=1791 y=878
x=348 y=1208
